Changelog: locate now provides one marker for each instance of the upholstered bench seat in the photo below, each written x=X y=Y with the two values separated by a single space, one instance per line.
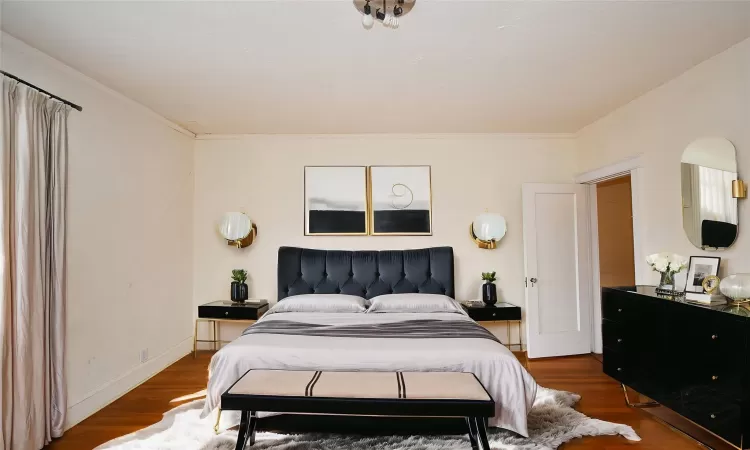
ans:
x=423 y=394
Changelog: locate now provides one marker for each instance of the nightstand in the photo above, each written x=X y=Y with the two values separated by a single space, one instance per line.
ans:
x=226 y=311
x=499 y=312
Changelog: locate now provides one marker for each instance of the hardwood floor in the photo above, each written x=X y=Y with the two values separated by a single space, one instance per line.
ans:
x=601 y=398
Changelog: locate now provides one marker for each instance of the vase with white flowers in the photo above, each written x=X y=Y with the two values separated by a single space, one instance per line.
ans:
x=667 y=264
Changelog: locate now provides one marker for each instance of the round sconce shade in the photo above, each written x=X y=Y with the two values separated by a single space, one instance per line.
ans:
x=238 y=229
x=736 y=287
x=487 y=229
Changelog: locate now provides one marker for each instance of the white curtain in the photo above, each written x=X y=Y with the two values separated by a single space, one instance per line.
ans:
x=33 y=180
x=717 y=202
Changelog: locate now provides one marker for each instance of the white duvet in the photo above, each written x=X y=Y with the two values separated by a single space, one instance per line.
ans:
x=509 y=384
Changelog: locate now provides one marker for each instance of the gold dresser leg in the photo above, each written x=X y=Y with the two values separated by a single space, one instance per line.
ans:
x=636 y=405
x=216 y=426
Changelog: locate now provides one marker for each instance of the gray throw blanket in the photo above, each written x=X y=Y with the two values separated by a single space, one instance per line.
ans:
x=409 y=329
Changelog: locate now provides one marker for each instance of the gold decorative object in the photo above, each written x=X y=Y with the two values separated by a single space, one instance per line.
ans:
x=711 y=284
x=739 y=189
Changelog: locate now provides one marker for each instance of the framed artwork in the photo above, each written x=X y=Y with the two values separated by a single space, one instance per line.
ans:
x=336 y=200
x=700 y=268
x=400 y=200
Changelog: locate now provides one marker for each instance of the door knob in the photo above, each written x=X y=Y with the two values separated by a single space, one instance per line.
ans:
x=533 y=280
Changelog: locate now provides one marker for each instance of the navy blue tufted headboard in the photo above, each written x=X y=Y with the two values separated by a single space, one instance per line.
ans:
x=365 y=273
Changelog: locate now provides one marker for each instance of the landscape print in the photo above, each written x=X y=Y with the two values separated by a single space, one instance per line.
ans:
x=335 y=200
x=401 y=200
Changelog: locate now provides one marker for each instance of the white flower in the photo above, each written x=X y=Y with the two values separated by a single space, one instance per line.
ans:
x=664 y=261
x=678 y=263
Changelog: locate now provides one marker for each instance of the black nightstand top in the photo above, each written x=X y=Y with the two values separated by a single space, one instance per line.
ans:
x=225 y=309
x=480 y=311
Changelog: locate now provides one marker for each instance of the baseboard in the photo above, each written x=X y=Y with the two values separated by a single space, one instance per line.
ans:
x=116 y=388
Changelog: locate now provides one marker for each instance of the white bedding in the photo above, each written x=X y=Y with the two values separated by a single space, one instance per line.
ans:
x=509 y=384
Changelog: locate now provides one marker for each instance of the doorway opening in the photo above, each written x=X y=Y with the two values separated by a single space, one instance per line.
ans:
x=614 y=206
x=621 y=235
x=613 y=241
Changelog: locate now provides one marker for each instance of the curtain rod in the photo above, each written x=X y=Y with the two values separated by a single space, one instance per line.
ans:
x=71 y=104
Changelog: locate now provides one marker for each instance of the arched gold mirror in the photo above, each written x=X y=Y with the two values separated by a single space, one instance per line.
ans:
x=710 y=188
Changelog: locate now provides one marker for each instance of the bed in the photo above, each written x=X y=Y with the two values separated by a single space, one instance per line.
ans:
x=420 y=340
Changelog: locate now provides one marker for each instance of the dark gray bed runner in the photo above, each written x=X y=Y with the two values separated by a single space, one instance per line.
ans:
x=409 y=329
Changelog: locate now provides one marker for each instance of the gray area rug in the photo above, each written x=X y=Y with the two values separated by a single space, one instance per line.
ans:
x=552 y=422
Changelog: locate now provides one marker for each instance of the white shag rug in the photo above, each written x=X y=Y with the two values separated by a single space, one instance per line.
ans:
x=552 y=422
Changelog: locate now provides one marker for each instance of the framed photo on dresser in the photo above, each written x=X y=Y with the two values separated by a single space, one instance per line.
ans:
x=700 y=268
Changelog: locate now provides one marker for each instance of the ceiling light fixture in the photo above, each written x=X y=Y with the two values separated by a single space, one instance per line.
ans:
x=367 y=20
x=388 y=17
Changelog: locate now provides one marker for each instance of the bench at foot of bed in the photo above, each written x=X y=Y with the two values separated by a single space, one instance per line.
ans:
x=405 y=394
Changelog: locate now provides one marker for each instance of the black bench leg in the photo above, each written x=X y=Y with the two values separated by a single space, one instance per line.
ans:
x=251 y=427
x=472 y=433
x=482 y=432
x=243 y=431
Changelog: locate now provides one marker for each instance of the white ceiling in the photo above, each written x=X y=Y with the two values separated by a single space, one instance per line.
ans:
x=310 y=67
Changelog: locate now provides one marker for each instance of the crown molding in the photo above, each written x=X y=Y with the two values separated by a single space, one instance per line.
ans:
x=240 y=136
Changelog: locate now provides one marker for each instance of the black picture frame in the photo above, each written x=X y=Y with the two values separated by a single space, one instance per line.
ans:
x=696 y=273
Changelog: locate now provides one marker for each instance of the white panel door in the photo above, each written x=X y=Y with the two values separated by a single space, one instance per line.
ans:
x=558 y=269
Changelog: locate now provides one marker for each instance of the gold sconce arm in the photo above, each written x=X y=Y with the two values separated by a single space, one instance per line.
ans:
x=488 y=245
x=739 y=189
x=247 y=240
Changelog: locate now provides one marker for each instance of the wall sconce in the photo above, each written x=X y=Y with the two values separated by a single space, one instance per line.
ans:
x=238 y=229
x=487 y=229
x=739 y=189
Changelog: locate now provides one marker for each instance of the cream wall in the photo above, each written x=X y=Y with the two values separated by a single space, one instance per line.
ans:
x=712 y=99
x=129 y=235
x=263 y=176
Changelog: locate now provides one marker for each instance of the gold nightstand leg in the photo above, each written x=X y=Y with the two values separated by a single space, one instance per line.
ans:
x=507 y=328
x=215 y=343
x=195 y=340
x=216 y=426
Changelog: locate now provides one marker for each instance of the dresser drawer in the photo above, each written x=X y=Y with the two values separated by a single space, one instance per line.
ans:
x=614 y=335
x=721 y=418
x=615 y=366
x=235 y=311
x=490 y=313
x=617 y=309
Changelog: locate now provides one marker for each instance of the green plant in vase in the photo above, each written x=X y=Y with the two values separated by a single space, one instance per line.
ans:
x=239 y=287
x=489 y=290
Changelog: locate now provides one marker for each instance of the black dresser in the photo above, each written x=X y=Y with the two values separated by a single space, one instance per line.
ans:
x=690 y=358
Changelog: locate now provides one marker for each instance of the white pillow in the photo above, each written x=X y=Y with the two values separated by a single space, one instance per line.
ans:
x=414 y=303
x=330 y=303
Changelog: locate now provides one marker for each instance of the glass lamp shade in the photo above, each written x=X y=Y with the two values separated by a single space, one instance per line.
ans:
x=489 y=227
x=736 y=287
x=235 y=226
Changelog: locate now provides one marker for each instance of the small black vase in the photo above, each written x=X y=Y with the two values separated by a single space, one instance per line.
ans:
x=489 y=293
x=239 y=292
